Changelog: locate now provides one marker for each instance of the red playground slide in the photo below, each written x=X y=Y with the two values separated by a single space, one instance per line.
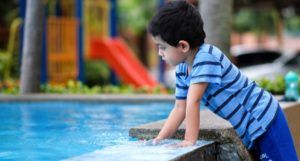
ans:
x=121 y=60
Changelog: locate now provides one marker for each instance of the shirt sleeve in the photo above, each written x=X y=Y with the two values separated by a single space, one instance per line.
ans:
x=206 y=68
x=181 y=88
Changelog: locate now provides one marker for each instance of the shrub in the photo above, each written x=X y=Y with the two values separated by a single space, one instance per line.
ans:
x=96 y=73
x=276 y=86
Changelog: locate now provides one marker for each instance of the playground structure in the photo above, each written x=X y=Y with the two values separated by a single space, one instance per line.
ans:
x=89 y=34
x=121 y=59
x=6 y=57
x=61 y=50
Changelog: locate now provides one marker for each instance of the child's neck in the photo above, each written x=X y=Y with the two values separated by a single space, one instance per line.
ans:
x=191 y=57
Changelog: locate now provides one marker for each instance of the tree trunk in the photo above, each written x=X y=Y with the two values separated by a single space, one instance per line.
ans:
x=217 y=17
x=32 y=50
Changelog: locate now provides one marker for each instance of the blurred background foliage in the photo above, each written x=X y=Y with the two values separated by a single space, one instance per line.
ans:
x=133 y=18
x=134 y=15
x=254 y=20
x=276 y=86
x=292 y=24
x=263 y=20
x=9 y=46
x=96 y=73
x=8 y=11
x=76 y=87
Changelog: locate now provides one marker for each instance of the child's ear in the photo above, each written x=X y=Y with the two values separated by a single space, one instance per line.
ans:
x=184 y=45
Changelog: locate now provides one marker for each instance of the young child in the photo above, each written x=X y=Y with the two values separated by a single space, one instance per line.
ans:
x=204 y=73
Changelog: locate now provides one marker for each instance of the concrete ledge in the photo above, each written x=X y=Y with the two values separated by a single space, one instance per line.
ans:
x=212 y=128
x=137 y=151
x=217 y=129
x=130 y=98
x=292 y=113
x=204 y=153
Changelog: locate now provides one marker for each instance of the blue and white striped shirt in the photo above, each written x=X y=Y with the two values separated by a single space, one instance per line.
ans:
x=229 y=94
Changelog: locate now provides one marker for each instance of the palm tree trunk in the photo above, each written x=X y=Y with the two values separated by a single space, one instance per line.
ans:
x=217 y=18
x=32 y=51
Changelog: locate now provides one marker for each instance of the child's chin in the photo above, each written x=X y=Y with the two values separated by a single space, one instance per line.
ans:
x=173 y=64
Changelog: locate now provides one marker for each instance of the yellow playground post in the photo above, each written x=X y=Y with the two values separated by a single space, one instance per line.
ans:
x=62 y=37
x=61 y=49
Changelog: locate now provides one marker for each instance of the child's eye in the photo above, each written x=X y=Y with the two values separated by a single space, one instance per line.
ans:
x=161 y=48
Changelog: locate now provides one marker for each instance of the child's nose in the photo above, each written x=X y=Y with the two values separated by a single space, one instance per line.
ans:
x=160 y=53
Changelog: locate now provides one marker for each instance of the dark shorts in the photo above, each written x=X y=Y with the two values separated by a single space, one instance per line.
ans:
x=277 y=143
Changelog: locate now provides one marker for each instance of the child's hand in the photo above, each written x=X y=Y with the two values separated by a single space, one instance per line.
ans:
x=157 y=140
x=184 y=143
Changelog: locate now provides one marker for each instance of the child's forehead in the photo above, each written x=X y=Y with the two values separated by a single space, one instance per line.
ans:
x=158 y=40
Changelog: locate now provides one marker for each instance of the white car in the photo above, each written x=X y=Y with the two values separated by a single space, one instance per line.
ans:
x=257 y=65
x=249 y=57
x=280 y=66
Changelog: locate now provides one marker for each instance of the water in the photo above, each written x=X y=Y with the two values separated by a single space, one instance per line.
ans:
x=62 y=130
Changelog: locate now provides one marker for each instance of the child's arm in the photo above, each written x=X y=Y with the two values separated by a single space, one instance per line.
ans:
x=174 y=120
x=192 y=119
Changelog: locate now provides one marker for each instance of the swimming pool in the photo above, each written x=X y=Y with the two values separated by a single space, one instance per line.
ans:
x=61 y=130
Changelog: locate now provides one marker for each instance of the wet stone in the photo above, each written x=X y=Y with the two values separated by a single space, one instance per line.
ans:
x=212 y=127
x=146 y=151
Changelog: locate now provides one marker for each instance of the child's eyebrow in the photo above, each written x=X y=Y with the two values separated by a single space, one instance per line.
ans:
x=158 y=44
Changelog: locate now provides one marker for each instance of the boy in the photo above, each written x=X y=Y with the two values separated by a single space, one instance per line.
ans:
x=204 y=73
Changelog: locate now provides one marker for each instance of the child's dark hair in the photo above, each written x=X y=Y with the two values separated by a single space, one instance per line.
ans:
x=178 y=20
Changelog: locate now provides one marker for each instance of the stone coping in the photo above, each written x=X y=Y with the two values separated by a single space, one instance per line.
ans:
x=145 y=151
x=91 y=98
x=121 y=98
x=212 y=127
x=209 y=123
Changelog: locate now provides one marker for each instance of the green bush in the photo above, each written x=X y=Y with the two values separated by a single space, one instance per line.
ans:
x=292 y=24
x=9 y=87
x=96 y=73
x=76 y=87
x=276 y=86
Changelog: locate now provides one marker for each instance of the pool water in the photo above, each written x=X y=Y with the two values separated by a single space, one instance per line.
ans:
x=62 y=130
